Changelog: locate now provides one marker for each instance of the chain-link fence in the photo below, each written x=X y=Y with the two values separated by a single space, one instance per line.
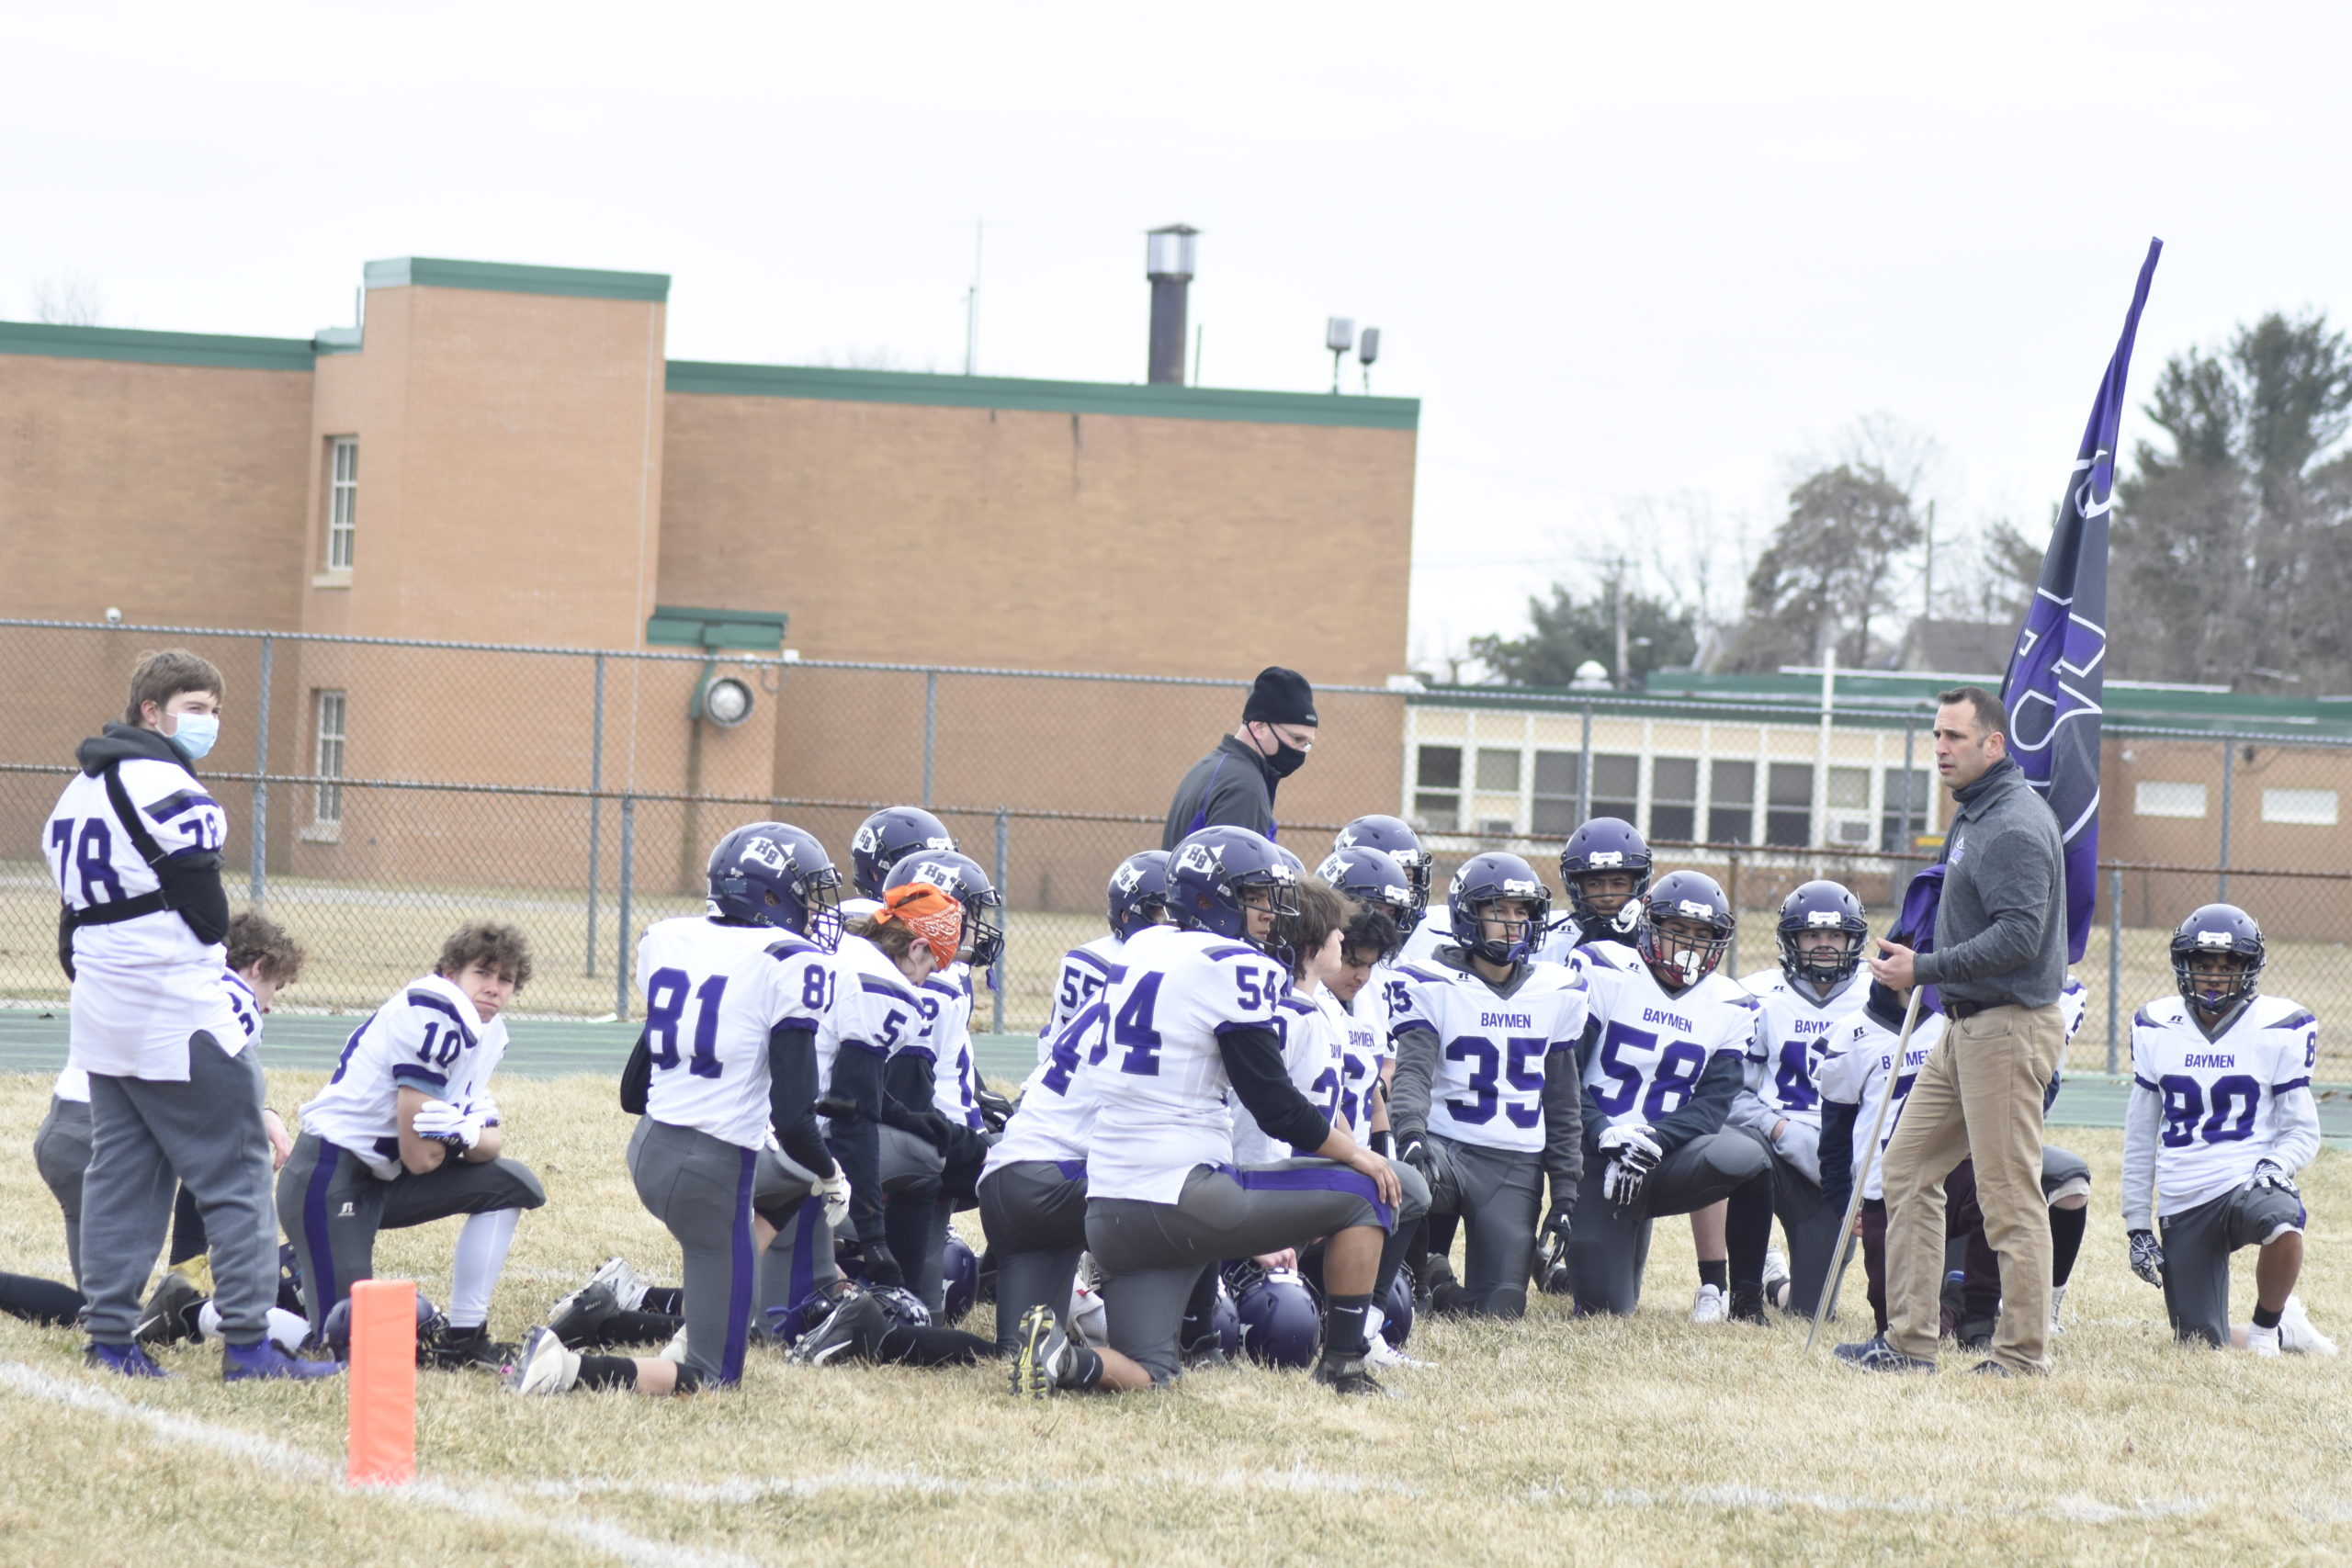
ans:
x=379 y=792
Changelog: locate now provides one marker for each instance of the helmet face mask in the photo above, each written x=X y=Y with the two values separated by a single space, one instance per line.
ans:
x=2218 y=956
x=1686 y=927
x=1485 y=883
x=1231 y=882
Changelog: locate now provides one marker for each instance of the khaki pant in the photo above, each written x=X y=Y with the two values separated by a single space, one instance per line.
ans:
x=1978 y=1096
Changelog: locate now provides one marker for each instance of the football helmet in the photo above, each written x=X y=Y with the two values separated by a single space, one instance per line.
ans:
x=1686 y=896
x=1138 y=892
x=959 y=1272
x=1484 y=879
x=1819 y=906
x=889 y=836
x=2218 y=928
x=1371 y=876
x=336 y=1331
x=772 y=874
x=1605 y=844
x=960 y=877
x=1212 y=871
x=1392 y=838
x=1280 y=1326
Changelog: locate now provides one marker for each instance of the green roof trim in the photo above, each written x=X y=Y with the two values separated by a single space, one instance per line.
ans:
x=203 y=349
x=504 y=277
x=678 y=625
x=1145 y=401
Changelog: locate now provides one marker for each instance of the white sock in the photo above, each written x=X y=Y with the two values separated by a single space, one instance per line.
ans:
x=208 y=1322
x=481 y=1253
x=287 y=1329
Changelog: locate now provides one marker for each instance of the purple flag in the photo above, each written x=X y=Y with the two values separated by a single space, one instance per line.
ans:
x=2057 y=676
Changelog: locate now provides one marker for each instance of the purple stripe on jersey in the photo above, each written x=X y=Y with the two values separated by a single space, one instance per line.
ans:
x=1097 y=960
x=791 y=946
x=441 y=1004
x=1334 y=1178
x=2290 y=1085
x=419 y=1076
x=324 y=1293
x=178 y=804
x=881 y=987
x=739 y=1286
x=2143 y=1083
x=1234 y=950
x=2297 y=1021
x=1072 y=1170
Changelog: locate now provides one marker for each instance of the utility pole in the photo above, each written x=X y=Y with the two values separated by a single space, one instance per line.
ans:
x=1617 y=602
x=972 y=304
x=1928 y=608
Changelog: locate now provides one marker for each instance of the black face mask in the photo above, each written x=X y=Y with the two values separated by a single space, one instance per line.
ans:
x=1286 y=758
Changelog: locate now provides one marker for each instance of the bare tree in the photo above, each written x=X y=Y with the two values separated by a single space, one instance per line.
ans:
x=70 y=302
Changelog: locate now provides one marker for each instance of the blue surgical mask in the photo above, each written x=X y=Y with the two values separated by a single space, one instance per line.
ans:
x=196 y=734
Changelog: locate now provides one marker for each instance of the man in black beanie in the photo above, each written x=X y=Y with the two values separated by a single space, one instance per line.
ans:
x=1234 y=785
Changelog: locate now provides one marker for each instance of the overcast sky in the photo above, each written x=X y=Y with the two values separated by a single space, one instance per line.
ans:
x=1619 y=259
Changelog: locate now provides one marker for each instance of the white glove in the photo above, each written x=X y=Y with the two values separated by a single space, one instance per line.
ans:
x=2270 y=1173
x=459 y=1126
x=1631 y=1139
x=1632 y=1154
x=834 y=1191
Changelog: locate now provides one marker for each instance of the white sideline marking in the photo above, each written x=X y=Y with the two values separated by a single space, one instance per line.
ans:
x=266 y=1454
x=1298 y=1479
x=2076 y=1509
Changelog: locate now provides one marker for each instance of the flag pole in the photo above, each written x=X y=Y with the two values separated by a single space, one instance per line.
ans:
x=1828 y=1302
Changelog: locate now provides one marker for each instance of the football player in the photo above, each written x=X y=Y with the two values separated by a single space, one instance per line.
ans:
x=2221 y=1118
x=1033 y=1187
x=734 y=1001
x=1424 y=930
x=1605 y=865
x=1802 y=1006
x=1663 y=1056
x=1138 y=898
x=882 y=840
x=1486 y=1100
x=1192 y=1027
x=405 y=1132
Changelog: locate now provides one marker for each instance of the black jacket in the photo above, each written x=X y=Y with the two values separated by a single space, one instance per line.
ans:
x=1231 y=787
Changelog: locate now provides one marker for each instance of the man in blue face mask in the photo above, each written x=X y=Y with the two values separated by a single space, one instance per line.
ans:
x=1234 y=785
x=134 y=846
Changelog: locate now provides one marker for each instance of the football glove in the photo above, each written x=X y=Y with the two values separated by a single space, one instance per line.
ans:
x=1631 y=1140
x=444 y=1121
x=2270 y=1173
x=995 y=1109
x=1414 y=1152
x=880 y=1267
x=1623 y=1181
x=2148 y=1256
x=833 y=1192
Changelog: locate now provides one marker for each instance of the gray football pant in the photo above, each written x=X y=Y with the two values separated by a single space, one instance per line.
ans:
x=2198 y=1242
x=333 y=1206
x=1499 y=1194
x=799 y=1261
x=145 y=1136
x=1151 y=1254
x=700 y=1188
x=1034 y=1212
x=1607 y=1246
x=62 y=1151
x=1807 y=1219
x=913 y=1218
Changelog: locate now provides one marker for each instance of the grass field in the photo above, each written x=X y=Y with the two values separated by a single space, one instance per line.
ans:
x=1645 y=1441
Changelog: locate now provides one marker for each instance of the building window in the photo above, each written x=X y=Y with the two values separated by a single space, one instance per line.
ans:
x=1788 y=805
x=1849 y=805
x=1617 y=787
x=1674 y=798
x=1554 y=796
x=2154 y=798
x=1498 y=770
x=1437 y=788
x=2299 y=807
x=1731 y=802
x=1890 y=819
x=327 y=808
x=343 y=500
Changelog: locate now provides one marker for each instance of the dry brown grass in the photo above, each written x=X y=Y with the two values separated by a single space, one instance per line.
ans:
x=1646 y=1441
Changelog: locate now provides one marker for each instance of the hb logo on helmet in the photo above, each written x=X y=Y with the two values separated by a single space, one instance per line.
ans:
x=1127 y=878
x=767 y=852
x=943 y=877
x=867 y=840
x=1205 y=859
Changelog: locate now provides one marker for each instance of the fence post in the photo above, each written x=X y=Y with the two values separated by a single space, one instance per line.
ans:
x=2114 y=960
x=628 y=857
x=595 y=807
x=1910 y=737
x=2229 y=778
x=930 y=728
x=257 y=888
x=1584 y=769
x=1731 y=875
x=996 y=970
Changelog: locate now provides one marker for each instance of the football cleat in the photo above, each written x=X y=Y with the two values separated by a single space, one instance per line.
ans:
x=1711 y=1305
x=675 y=1351
x=544 y=1365
x=854 y=1328
x=1975 y=1328
x=578 y=1316
x=1046 y=1357
x=2296 y=1335
x=629 y=1291
x=461 y=1349
x=1346 y=1374
x=1747 y=1306
x=1378 y=1352
x=2057 y=1300
x=128 y=1360
x=168 y=1318
x=1878 y=1355
x=1776 y=1278
x=1991 y=1368
x=2262 y=1341
x=238 y=1362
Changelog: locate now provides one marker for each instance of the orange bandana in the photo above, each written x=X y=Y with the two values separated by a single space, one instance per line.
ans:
x=936 y=920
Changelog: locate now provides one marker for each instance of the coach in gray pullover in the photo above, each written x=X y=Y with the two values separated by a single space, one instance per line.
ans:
x=1998 y=960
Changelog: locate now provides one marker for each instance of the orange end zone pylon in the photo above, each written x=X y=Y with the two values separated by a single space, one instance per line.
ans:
x=383 y=1380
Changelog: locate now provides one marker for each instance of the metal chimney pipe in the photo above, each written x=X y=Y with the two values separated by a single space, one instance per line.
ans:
x=1167 y=263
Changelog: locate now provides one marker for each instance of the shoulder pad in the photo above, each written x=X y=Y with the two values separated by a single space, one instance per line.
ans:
x=2302 y=1018
x=1087 y=956
x=791 y=946
x=2146 y=1018
x=1294 y=1005
x=1224 y=950
x=1413 y=972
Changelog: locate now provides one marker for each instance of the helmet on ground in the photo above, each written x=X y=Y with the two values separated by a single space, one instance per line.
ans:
x=959 y=1273
x=1138 y=892
x=1225 y=1319
x=336 y=1331
x=1394 y=838
x=1396 y=1311
x=1680 y=895
x=1213 y=873
x=1280 y=1326
x=889 y=836
x=1815 y=907
x=960 y=877
x=772 y=874
x=2217 y=929
x=1491 y=878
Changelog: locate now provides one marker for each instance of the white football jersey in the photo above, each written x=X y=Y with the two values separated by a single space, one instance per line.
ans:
x=1792 y=1031
x=2072 y=1003
x=1492 y=1047
x=1053 y=1119
x=1087 y=970
x=1852 y=1071
x=426 y=1037
x=1363 y=1049
x=1423 y=941
x=874 y=1008
x=1317 y=1062
x=141 y=986
x=1653 y=1047
x=2220 y=1097
x=1165 y=1100
x=73 y=1086
x=713 y=994
x=946 y=1000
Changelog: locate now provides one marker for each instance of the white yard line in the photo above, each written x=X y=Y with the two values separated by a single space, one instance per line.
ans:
x=2071 y=1509
x=479 y=1502
x=1296 y=1480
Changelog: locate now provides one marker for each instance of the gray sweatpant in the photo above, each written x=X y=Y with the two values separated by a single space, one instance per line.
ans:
x=700 y=1187
x=2198 y=1242
x=913 y=1218
x=1609 y=1246
x=1499 y=1194
x=1807 y=1219
x=799 y=1261
x=1151 y=1254
x=206 y=1133
x=1034 y=1212
x=62 y=1151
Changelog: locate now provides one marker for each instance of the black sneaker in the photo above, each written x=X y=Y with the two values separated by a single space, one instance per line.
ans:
x=1878 y=1355
x=577 y=1317
x=170 y=1312
x=466 y=1349
x=1747 y=1306
x=853 y=1328
x=1346 y=1374
x=1992 y=1368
